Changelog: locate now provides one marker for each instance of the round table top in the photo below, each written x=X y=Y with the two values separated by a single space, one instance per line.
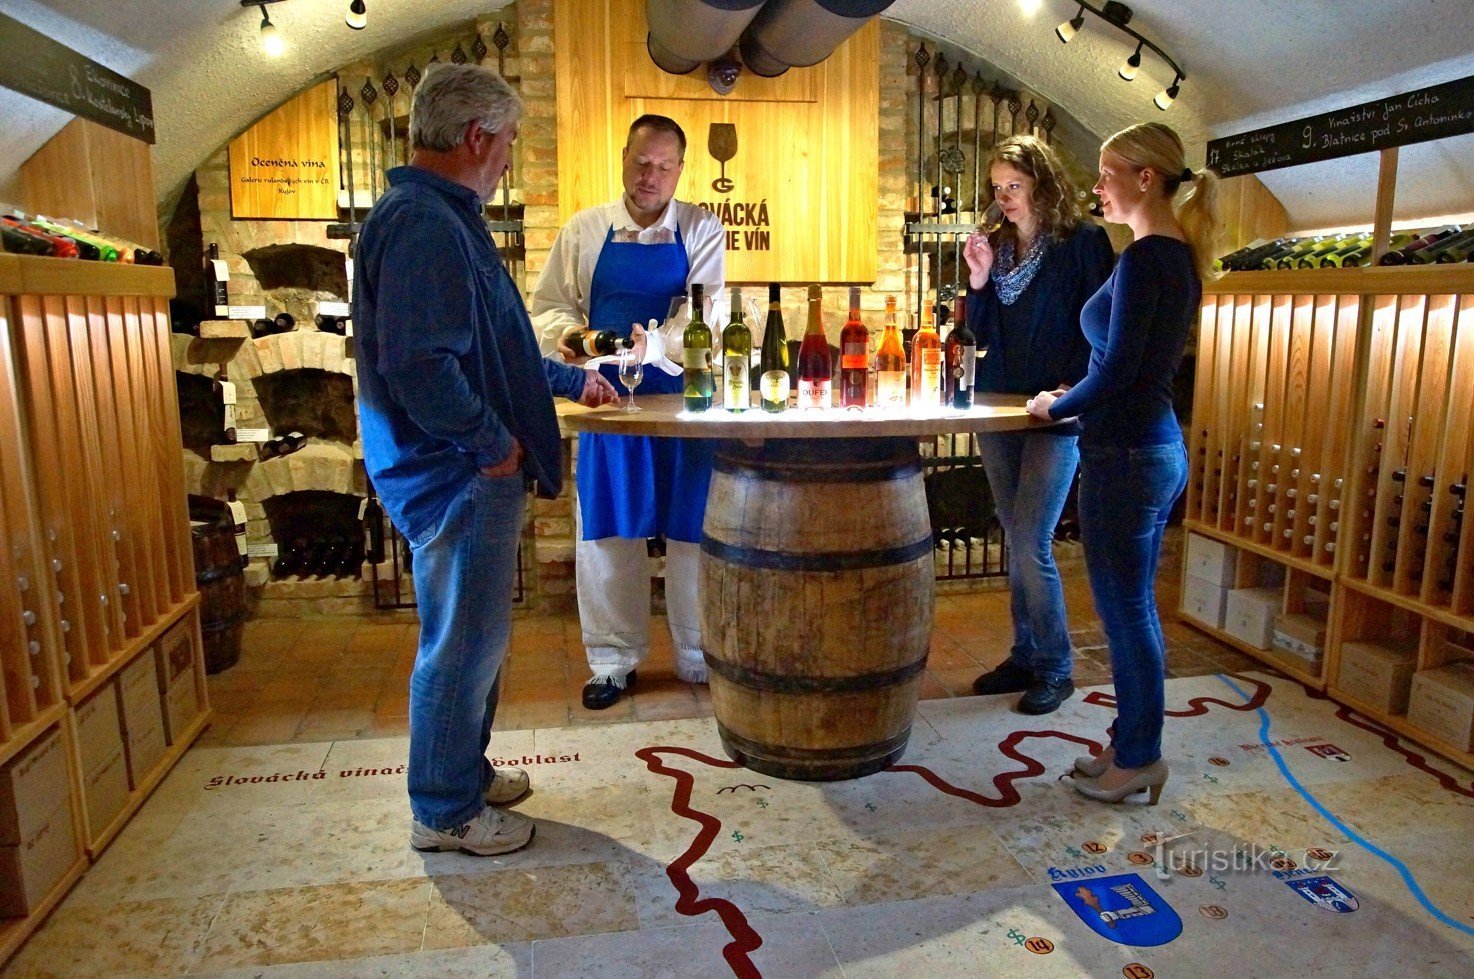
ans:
x=665 y=414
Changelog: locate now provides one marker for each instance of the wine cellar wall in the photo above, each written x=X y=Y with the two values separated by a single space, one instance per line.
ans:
x=1330 y=454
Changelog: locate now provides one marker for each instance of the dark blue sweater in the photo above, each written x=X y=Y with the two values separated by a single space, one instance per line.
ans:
x=1036 y=344
x=1137 y=325
x=448 y=366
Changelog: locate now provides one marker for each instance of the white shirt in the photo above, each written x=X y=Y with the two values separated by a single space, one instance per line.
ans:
x=560 y=300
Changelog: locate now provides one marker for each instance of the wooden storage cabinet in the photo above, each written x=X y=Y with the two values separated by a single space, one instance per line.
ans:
x=95 y=564
x=1333 y=435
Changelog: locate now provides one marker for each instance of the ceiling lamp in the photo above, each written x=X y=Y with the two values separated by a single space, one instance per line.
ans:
x=1131 y=67
x=1071 y=27
x=357 y=17
x=271 y=39
x=1119 y=15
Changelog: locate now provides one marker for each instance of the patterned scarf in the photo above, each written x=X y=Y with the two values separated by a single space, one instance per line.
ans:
x=1010 y=278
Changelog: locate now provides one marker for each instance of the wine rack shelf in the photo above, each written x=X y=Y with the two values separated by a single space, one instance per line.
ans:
x=1332 y=438
x=102 y=681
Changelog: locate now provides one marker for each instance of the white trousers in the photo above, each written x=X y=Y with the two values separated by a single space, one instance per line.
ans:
x=613 y=582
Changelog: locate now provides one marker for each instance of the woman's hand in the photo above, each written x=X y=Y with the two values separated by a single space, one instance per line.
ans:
x=1038 y=405
x=979 y=255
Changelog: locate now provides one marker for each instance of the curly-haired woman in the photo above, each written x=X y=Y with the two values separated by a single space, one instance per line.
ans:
x=1029 y=280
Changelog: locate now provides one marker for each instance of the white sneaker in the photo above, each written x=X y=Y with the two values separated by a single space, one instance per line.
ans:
x=691 y=666
x=492 y=831
x=507 y=785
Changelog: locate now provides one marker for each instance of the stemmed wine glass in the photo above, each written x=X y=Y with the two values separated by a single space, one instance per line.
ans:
x=631 y=373
x=992 y=218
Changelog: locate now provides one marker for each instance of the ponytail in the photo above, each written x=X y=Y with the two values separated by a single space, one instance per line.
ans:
x=1151 y=145
x=1198 y=215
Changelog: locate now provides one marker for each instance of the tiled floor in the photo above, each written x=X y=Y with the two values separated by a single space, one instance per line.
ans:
x=655 y=856
x=335 y=679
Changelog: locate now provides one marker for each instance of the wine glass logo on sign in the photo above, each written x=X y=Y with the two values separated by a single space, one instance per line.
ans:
x=721 y=142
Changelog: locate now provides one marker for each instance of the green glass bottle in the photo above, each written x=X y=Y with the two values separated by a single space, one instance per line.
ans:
x=773 y=364
x=696 y=356
x=737 y=358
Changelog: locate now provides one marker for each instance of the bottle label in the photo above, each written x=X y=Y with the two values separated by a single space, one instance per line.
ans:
x=696 y=358
x=739 y=384
x=227 y=394
x=775 y=388
x=965 y=367
x=853 y=357
x=929 y=392
x=890 y=390
x=813 y=394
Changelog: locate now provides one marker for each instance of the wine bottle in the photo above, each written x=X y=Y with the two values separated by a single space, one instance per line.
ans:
x=854 y=357
x=1459 y=252
x=352 y=564
x=696 y=355
x=1269 y=259
x=1403 y=255
x=1226 y=263
x=815 y=366
x=372 y=514
x=227 y=401
x=737 y=358
x=926 y=362
x=1430 y=255
x=890 y=362
x=56 y=246
x=1255 y=255
x=1328 y=243
x=237 y=511
x=961 y=357
x=598 y=343
x=773 y=362
x=104 y=251
x=218 y=276
x=1303 y=247
x=21 y=242
x=331 y=324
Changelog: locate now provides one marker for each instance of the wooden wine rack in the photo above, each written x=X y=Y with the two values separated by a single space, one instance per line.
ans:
x=95 y=554
x=1331 y=434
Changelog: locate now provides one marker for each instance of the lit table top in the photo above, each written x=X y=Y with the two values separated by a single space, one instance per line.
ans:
x=665 y=415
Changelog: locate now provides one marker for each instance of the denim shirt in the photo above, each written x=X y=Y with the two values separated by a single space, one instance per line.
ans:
x=448 y=366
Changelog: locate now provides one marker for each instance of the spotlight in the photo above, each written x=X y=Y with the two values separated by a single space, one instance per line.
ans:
x=1071 y=27
x=1132 y=65
x=1167 y=96
x=271 y=39
x=357 y=15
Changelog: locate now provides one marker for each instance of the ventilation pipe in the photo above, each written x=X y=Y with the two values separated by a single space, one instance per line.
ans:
x=798 y=33
x=686 y=33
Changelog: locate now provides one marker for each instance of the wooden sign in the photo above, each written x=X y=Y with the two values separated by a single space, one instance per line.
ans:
x=37 y=66
x=1429 y=113
x=285 y=167
x=789 y=164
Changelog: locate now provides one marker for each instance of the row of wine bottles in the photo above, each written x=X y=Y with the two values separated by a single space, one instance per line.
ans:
x=1444 y=245
x=34 y=234
x=939 y=373
x=217 y=273
x=333 y=557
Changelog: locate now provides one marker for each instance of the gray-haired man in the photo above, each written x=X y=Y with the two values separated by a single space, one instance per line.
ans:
x=456 y=405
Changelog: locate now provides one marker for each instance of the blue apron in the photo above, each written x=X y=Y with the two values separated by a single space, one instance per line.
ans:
x=632 y=485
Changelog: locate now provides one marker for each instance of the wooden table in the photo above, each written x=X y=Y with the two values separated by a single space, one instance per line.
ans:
x=817 y=582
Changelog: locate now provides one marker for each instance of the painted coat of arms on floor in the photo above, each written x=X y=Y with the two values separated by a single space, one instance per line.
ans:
x=1124 y=909
x=1325 y=893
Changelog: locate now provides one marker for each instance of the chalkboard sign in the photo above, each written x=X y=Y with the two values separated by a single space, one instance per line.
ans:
x=37 y=66
x=1429 y=113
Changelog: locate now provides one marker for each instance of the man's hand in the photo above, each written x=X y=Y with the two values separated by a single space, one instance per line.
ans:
x=564 y=350
x=597 y=390
x=507 y=466
x=642 y=340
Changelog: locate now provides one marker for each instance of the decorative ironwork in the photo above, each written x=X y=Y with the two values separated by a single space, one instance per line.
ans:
x=345 y=102
x=1032 y=114
x=458 y=55
x=922 y=57
x=391 y=85
x=479 y=50
x=501 y=38
x=959 y=81
x=1047 y=124
x=369 y=93
x=412 y=75
x=953 y=160
x=434 y=60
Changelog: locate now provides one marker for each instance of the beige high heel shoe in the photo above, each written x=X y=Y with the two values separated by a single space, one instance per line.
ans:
x=1149 y=779
x=1094 y=766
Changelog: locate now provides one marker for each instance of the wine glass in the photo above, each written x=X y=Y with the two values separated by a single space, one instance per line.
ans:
x=631 y=373
x=992 y=218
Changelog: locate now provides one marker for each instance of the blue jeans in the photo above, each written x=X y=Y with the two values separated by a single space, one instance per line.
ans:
x=1030 y=475
x=1126 y=495
x=464 y=570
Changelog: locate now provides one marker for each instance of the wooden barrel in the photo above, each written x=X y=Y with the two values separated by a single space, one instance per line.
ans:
x=218 y=573
x=817 y=592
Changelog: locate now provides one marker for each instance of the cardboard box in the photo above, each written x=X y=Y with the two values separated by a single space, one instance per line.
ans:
x=144 y=753
x=175 y=653
x=1442 y=703
x=28 y=871
x=99 y=728
x=1249 y=615
x=32 y=786
x=105 y=793
x=1211 y=560
x=1300 y=632
x=1204 y=601
x=143 y=709
x=1379 y=672
x=181 y=706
